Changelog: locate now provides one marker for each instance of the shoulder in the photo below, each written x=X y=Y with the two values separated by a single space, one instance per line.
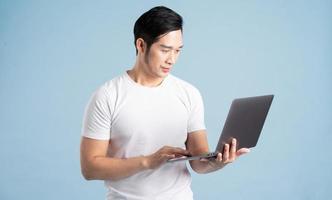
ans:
x=108 y=91
x=183 y=85
x=112 y=85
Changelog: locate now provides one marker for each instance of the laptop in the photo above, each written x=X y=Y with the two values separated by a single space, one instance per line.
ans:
x=244 y=122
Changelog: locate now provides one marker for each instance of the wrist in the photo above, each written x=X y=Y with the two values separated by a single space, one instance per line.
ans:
x=215 y=166
x=145 y=162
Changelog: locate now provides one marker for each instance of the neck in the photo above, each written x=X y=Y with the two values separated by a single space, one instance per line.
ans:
x=143 y=78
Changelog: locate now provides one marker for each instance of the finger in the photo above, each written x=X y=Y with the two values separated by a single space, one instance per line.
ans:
x=233 y=150
x=219 y=157
x=242 y=151
x=167 y=156
x=204 y=160
x=226 y=153
x=180 y=151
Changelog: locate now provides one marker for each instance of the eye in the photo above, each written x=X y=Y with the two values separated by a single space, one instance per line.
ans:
x=165 y=50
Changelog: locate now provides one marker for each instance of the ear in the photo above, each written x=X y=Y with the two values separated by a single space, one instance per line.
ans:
x=140 y=45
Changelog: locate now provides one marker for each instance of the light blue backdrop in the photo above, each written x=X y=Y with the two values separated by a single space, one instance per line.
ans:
x=54 y=54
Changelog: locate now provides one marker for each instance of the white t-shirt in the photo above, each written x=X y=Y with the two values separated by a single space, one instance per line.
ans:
x=140 y=120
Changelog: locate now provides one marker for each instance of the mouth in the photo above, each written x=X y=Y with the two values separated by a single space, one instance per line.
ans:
x=165 y=69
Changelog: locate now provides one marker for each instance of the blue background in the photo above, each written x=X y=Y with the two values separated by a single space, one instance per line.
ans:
x=54 y=54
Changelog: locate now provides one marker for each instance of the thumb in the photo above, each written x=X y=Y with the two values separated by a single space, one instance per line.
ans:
x=168 y=156
x=242 y=151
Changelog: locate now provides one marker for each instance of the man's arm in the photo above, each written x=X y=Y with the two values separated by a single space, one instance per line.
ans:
x=197 y=144
x=96 y=165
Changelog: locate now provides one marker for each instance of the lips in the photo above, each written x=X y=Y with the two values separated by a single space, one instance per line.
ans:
x=165 y=69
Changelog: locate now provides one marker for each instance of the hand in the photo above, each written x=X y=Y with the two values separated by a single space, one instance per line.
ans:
x=229 y=155
x=158 y=158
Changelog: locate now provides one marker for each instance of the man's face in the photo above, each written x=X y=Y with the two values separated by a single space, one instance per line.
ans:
x=163 y=54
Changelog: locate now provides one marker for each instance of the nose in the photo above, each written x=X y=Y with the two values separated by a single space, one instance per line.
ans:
x=171 y=58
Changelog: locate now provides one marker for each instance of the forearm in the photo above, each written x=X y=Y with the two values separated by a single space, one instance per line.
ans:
x=96 y=165
x=107 y=168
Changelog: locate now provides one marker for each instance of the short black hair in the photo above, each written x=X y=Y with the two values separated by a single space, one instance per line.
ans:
x=157 y=21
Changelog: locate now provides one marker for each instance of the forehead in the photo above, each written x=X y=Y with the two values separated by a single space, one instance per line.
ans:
x=172 y=39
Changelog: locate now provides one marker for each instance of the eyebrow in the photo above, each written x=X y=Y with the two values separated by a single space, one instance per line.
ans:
x=169 y=47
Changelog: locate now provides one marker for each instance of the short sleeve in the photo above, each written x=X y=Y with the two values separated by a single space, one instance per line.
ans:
x=196 y=114
x=97 y=116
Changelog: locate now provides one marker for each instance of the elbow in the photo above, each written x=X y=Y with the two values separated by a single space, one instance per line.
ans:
x=87 y=176
x=88 y=173
x=88 y=169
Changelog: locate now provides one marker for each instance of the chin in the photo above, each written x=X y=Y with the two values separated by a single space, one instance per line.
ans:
x=163 y=75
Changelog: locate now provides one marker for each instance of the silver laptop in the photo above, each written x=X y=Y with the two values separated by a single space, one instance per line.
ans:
x=244 y=122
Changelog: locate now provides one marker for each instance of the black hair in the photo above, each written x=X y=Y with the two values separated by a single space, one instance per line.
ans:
x=157 y=21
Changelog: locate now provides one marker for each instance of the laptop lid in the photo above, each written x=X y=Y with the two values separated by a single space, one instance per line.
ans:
x=244 y=122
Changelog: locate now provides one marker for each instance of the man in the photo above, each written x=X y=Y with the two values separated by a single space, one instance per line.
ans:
x=135 y=122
